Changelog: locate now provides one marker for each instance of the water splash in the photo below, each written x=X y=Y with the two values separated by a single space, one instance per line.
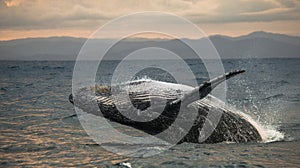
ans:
x=268 y=132
x=272 y=134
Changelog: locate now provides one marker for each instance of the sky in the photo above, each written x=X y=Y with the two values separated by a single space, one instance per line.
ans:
x=80 y=18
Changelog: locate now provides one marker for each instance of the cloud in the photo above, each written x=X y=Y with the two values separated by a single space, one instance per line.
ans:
x=12 y=3
x=38 y=14
x=80 y=14
x=232 y=11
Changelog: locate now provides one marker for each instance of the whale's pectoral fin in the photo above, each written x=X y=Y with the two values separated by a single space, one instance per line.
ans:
x=204 y=89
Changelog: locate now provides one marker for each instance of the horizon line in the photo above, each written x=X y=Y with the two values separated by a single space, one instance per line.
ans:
x=148 y=38
x=186 y=59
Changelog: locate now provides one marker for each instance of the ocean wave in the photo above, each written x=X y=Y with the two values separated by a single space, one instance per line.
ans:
x=276 y=96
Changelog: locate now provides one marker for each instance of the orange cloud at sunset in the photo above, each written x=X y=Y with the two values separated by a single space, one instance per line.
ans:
x=11 y=3
x=42 y=18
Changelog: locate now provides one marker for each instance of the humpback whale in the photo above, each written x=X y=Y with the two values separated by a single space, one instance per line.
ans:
x=147 y=98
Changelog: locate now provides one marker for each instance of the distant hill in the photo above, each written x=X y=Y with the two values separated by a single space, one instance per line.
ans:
x=254 y=45
x=52 y=48
x=258 y=45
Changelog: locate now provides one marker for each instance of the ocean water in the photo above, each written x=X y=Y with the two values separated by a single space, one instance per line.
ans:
x=39 y=128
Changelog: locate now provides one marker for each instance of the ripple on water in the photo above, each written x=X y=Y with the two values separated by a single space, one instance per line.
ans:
x=35 y=133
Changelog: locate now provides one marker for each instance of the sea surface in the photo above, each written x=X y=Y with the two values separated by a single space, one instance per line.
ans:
x=39 y=127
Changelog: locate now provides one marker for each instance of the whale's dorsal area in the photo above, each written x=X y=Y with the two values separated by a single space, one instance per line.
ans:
x=146 y=95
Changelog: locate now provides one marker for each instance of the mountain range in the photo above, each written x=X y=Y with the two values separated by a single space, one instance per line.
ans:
x=254 y=45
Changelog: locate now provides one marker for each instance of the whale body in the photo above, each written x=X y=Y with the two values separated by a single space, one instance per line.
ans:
x=159 y=104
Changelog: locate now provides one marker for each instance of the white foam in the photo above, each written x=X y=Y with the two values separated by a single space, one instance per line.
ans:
x=272 y=134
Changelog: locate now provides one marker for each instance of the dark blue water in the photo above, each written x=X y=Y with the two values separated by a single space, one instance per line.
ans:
x=37 y=130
